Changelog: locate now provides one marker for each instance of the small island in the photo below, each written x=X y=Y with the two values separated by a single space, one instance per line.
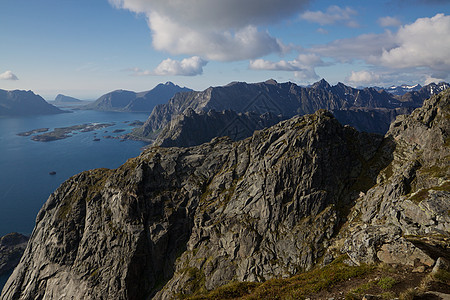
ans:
x=65 y=132
x=136 y=123
x=34 y=131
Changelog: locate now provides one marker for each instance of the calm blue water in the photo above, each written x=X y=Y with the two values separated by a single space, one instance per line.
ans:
x=25 y=183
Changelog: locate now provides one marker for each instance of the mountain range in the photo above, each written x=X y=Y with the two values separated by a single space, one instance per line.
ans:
x=305 y=193
x=400 y=90
x=365 y=109
x=122 y=100
x=24 y=103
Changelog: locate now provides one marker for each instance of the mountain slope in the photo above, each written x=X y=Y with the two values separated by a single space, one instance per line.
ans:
x=178 y=221
x=117 y=233
x=24 y=103
x=122 y=100
x=407 y=211
x=191 y=128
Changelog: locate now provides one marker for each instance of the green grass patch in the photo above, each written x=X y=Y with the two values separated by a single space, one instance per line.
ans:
x=386 y=283
x=296 y=287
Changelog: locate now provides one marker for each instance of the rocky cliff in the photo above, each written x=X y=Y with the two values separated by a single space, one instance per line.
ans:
x=178 y=221
x=404 y=218
x=24 y=103
x=191 y=128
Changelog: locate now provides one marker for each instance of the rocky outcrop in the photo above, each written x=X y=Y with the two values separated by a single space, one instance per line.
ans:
x=11 y=249
x=175 y=220
x=24 y=103
x=404 y=218
x=122 y=100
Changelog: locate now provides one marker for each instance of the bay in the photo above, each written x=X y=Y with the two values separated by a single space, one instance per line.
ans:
x=25 y=182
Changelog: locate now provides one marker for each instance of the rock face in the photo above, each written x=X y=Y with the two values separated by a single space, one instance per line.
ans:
x=365 y=109
x=122 y=100
x=175 y=221
x=191 y=128
x=24 y=103
x=11 y=248
x=198 y=217
x=404 y=218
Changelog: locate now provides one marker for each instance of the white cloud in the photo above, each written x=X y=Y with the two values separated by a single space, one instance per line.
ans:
x=322 y=31
x=389 y=22
x=334 y=14
x=187 y=67
x=214 y=29
x=424 y=43
x=363 y=77
x=421 y=48
x=303 y=66
x=191 y=66
x=8 y=75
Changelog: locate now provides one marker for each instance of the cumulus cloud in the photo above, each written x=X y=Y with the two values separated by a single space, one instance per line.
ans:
x=361 y=77
x=424 y=43
x=8 y=75
x=303 y=66
x=191 y=66
x=420 y=47
x=187 y=67
x=334 y=14
x=389 y=22
x=214 y=29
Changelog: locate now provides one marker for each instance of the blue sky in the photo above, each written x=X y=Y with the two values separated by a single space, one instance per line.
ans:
x=85 y=48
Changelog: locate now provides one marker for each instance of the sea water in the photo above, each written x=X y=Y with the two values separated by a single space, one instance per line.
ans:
x=25 y=182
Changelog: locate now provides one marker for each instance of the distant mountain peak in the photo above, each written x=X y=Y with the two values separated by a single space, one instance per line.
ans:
x=321 y=84
x=124 y=100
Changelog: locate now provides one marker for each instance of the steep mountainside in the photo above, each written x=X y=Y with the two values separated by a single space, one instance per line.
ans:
x=176 y=221
x=365 y=109
x=24 y=103
x=191 y=128
x=122 y=100
x=404 y=219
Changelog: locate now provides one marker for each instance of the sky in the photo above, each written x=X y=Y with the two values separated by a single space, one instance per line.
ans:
x=85 y=48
